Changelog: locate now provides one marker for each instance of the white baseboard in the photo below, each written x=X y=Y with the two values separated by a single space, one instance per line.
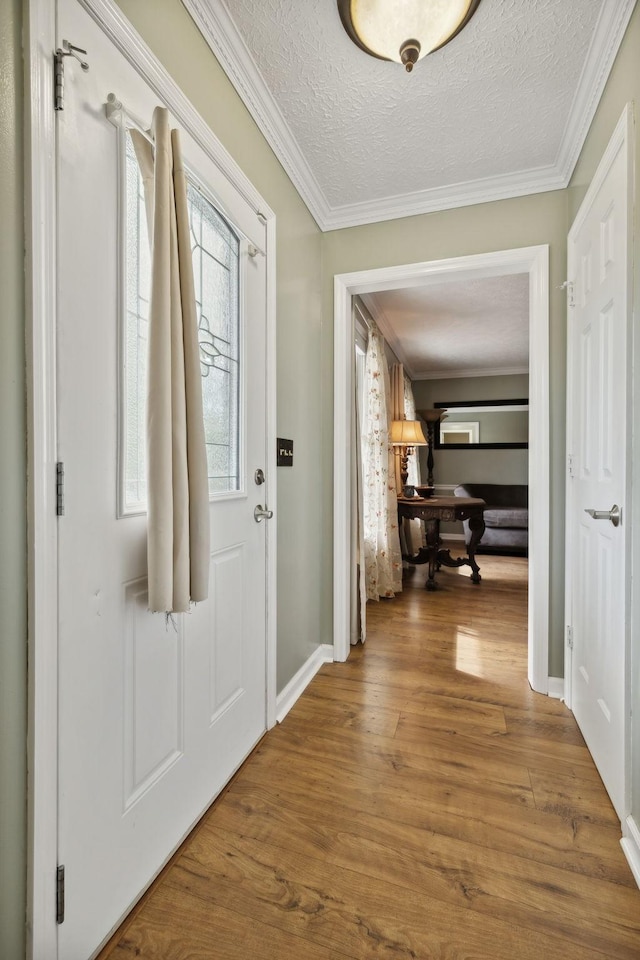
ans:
x=556 y=687
x=630 y=844
x=299 y=682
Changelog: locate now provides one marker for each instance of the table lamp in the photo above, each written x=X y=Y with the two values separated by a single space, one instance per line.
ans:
x=406 y=435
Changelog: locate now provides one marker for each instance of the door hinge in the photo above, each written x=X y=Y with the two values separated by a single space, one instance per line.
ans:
x=570 y=287
x=570 y=637
x=60 y=894
x=570 y=465
x=67 y=50
x=60 y=489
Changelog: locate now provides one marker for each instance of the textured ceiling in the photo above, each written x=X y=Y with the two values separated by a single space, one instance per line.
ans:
x=493 y=101
x=501 y=110
x=457 y=328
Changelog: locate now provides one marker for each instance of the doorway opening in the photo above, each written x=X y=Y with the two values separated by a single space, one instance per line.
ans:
x=532 y=261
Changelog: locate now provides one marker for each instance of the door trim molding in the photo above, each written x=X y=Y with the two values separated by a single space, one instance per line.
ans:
x=42 y=542
x=41 y=259
x=534 y=261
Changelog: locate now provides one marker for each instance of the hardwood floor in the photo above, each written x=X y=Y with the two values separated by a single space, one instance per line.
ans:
x=418 y=802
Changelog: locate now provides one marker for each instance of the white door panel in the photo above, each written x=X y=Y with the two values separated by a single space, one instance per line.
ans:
x=154 y=716
x=599 y=438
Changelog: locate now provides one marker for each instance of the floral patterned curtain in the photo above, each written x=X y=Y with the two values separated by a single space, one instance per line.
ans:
x=383 y=560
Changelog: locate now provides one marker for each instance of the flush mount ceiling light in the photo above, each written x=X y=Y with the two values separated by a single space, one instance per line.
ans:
x=404 y=30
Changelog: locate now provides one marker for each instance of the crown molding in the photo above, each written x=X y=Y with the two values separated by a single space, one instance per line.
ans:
x=222 y=36
x=605 y=43
x=471 y=373
x=522 y=183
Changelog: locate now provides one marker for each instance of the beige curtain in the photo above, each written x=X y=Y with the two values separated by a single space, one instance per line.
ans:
x=396 y=376
x=177 y=486
x=410 y=530
x=415 y=531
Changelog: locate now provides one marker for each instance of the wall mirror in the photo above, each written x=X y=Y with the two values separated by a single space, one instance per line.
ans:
x=483 y=425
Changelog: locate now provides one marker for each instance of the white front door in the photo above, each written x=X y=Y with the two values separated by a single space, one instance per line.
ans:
x=154 y=716
x=599 y=438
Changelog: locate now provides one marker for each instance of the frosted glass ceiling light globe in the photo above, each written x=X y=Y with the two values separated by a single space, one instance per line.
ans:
x=404 y=30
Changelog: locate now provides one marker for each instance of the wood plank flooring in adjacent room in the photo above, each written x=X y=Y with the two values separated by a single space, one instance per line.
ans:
x=419 y=801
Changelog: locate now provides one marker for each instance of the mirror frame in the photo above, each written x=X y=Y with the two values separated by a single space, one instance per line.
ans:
x=520 y=445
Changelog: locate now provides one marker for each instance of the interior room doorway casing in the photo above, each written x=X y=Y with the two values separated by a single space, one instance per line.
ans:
x=535 y=262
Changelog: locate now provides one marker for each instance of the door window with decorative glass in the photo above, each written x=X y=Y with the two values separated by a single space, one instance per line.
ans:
x=216 y=267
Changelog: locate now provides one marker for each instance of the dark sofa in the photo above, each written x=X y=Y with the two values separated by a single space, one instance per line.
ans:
x=506 y=516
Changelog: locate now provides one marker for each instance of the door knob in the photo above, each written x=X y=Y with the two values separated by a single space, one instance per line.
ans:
x=261 y=513
x=615 y=514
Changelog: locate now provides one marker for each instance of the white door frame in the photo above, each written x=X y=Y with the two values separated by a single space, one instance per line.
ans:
x=535 y=262
x=40 y=194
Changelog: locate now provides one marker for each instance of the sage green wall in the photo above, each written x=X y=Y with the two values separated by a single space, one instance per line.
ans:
x=13 y=580
x=622 y=87
x=503 y=225
x=474 y=466
x=169 y=31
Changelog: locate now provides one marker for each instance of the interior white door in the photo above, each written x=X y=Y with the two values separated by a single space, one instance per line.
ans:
x=154 y=716
x=598 y=324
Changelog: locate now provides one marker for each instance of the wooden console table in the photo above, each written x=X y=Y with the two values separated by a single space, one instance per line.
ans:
x=434 y=509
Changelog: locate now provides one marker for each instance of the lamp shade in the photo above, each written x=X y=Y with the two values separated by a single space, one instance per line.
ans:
x=407 y=433
x=404 y=30
x=432 y=416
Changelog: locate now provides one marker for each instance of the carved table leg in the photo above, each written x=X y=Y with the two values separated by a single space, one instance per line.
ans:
x=476 y=526
x=432 y=512
x=433 y=539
